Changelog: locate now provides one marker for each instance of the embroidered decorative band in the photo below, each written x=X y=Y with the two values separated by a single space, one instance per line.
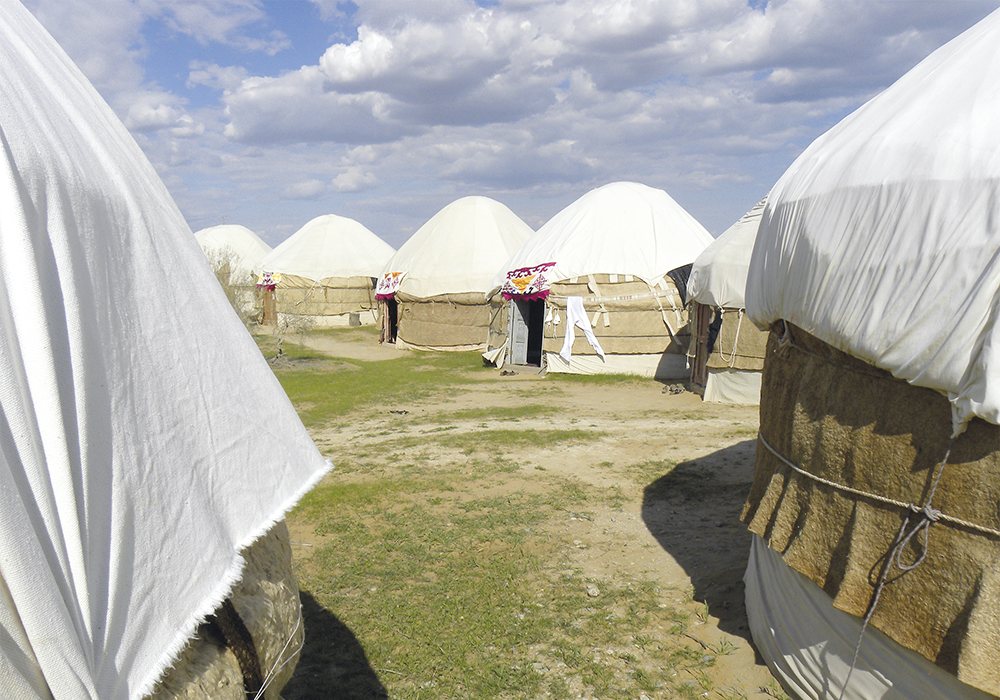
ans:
x=528 y=283
x=388 y=285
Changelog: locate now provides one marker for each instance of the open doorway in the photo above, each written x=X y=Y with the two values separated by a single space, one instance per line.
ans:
x=526 y=323
x=390 y=319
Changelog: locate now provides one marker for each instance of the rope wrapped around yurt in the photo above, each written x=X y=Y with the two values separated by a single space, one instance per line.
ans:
x=856 y=470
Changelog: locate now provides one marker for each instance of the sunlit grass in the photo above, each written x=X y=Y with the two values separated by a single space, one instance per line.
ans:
x=463 y=597
x=447 y=551
x=321 y=395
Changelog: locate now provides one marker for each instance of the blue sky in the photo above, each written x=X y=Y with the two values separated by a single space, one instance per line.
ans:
x=270 y=113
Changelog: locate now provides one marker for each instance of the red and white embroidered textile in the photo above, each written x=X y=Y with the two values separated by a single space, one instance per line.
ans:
x=528 y=283
x=388 y=285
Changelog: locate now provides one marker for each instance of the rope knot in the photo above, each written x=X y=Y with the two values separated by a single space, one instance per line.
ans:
x=930 y=514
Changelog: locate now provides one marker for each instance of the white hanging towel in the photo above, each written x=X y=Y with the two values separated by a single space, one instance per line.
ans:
x=576 y=316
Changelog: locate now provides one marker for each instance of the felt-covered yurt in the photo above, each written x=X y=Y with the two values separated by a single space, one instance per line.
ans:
x=142 y=486
x=433 y=290
x=600 y=288
x=326 y=272
x=877 y=478
x=233 y=251
x=726 y=354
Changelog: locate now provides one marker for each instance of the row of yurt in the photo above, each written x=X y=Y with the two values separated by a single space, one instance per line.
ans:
x=726 y=353
x=324 y=274
x=234 y=252
x=433 y=290
x=600 y=288
x=875 y=568
x=142 y=489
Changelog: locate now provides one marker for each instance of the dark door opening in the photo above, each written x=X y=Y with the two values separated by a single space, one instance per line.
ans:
x=527 y=320
x=390 y=317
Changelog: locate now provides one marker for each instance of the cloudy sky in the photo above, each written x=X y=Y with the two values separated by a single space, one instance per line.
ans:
x=268 y=113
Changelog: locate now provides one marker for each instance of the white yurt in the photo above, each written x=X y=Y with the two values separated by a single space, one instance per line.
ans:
x=600 y=287
x=433 y=290
x=233 y=251
x=232 y=245
x=726 y=354
x=139 y=473
x=874 y=502
x=326 y=272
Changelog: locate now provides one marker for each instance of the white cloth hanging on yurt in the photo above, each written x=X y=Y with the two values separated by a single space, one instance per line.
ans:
x=329 y=246
x=914 y=292
x=238 y=245
x=138 y=454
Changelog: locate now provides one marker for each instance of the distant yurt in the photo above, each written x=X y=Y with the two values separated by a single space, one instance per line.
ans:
x=433 y=290
x=601 y=286
x=145 y=464
x=233 y=252
x=726 y=354
x=877 y=478
x=325 y=272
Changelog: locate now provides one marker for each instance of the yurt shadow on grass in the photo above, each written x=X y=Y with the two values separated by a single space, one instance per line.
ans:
x=711 y=549
x=333 y=662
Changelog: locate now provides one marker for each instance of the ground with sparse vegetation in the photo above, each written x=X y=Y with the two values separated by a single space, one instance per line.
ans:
x=488 y=536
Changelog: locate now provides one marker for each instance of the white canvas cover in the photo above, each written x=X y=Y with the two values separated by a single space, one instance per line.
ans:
x=719 y=275
x=241 y=246
x=810 y=644
x=459 y=250
x=138 y=453
x=620 y=228
x=329 y=246
x=739 y=386
x=882 y=238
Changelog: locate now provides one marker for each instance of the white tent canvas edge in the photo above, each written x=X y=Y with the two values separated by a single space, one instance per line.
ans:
x=133 y=447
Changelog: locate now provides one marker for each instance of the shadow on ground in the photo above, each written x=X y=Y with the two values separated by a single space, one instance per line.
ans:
x=693 y=511
x=333 y=663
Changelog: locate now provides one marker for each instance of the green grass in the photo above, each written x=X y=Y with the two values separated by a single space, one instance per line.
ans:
x=443 y=559
x=500 y=440
x=461 y=597
x=504 y=413
x=320 y=395
x=625 y=380
x=268 y=345
x=365 y=333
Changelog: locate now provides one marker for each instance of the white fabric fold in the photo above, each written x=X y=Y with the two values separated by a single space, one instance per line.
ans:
x=882 y=239
x=809 y=644
x=576 y=315
x=143 y=439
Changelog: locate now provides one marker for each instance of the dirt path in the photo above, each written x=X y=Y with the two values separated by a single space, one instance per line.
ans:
x=679 y=524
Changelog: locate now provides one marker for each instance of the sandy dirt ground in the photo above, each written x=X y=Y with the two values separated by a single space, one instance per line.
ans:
x=680 y=527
